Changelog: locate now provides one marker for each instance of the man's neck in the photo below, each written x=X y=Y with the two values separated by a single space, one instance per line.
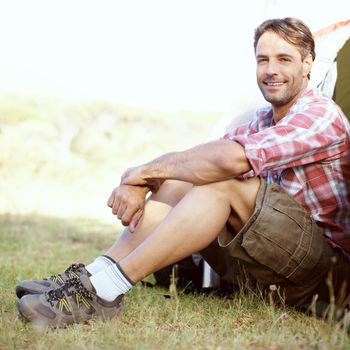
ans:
x=280 y=112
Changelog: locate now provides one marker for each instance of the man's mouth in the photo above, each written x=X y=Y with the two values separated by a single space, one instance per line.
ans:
x=273 y=83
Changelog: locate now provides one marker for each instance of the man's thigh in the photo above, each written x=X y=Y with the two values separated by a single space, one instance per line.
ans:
x=281 y=245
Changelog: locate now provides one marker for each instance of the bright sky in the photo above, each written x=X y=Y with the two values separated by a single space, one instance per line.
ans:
x=179 y=54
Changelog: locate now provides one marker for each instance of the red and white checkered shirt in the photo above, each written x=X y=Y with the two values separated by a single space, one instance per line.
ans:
x=307 y=153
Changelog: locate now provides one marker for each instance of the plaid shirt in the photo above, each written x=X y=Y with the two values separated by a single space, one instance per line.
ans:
x=307 y=153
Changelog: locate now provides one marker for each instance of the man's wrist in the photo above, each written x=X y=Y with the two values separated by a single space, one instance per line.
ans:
x=143 y=188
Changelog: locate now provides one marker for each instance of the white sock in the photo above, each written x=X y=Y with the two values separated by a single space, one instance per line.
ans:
x=110 y=282
x=100 y=263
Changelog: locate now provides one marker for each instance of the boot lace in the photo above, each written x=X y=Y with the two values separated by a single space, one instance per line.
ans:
x=73 y=286
x=72 y=268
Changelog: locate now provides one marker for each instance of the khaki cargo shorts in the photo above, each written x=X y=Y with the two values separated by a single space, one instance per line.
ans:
x=282 y=245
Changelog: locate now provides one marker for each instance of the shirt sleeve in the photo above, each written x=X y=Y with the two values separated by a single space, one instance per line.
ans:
x=302 y=137
x=240 y=130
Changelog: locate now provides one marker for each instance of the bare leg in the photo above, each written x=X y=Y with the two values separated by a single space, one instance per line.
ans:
x=157 y=207
x=192 y=225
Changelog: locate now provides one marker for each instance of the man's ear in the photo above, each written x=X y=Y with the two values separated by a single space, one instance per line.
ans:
x=307 y=65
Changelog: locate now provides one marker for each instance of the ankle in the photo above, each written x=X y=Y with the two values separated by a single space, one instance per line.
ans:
x=111 y=282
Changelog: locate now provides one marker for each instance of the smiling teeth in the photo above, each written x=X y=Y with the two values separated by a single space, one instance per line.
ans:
x=274 y=84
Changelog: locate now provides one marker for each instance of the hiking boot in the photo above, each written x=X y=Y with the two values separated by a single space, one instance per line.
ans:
x=75 y=302
x=56 y=281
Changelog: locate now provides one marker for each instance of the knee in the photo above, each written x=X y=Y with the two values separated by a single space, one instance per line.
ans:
x=223 y=186
x=236 y=187
x=171 y=192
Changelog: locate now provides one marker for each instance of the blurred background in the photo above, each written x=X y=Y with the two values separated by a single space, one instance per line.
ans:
x=88 y=88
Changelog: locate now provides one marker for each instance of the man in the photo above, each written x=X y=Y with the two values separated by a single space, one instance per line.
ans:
x=268 y=202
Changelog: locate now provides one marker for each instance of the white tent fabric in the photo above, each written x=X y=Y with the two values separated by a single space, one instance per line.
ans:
x=328 y=43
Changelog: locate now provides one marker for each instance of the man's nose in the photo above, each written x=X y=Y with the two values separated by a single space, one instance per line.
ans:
x=272 y=67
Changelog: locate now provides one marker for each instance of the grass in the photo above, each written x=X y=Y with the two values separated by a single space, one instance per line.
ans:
x=34 y=246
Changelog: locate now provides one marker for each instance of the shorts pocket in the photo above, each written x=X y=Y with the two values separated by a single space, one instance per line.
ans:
x=283 y=242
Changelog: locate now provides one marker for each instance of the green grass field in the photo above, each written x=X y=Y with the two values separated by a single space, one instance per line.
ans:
x=58 y=164
x=34 y=246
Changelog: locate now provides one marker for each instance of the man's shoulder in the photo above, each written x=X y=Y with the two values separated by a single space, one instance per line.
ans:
x=316 y=107
x=315 y=97
x=314 y=101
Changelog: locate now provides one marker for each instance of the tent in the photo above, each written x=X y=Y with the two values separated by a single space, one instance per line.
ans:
x=341 y=93
x=331 y=68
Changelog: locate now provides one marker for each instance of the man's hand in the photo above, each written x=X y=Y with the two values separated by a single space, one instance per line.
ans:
x=127 y=203
x=133 y=176
x=137 y=176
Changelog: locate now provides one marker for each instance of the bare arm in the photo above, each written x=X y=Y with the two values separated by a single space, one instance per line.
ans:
x=209 y=162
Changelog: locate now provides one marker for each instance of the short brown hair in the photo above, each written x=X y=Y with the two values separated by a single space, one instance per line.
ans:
x=292 y=30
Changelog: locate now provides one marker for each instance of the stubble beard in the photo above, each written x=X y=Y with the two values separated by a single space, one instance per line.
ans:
x=279 y=99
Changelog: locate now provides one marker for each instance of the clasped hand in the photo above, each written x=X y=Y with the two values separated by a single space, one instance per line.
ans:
x=127 y=203
x=128 y=199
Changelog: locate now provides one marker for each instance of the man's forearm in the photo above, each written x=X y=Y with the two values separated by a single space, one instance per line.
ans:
x=210 y=162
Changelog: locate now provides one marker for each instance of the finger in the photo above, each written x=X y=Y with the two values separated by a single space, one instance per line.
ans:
x=115 y=207
x=121 y=210
x=134 y=181
x=125 y=174
x=128 y=214
x=135 y=220
x=111 y=200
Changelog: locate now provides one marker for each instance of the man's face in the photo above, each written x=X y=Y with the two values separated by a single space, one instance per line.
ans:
x=281 y=73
